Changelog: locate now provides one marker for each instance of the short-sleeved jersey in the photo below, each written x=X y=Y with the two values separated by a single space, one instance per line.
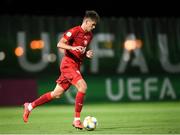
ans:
x=76 y=36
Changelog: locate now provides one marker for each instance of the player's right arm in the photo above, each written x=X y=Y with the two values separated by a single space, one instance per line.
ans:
x=62 y=45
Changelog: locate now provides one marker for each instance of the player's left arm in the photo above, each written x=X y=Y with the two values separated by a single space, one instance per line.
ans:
x=89 y=52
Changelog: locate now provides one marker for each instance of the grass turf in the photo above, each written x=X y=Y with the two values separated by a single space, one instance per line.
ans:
x=116 y=118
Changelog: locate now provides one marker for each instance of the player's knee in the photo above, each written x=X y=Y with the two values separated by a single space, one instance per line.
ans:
x=56 y=94
x=83 y=87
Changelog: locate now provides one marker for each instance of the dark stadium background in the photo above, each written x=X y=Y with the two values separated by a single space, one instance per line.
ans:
x=77 y=7
x=131 y=102
x=26 y=14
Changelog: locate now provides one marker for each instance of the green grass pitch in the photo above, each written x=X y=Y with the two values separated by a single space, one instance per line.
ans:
x=115 y=118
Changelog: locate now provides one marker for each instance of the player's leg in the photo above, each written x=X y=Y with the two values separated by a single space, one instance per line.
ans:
x=47 y=97
x=79 y=101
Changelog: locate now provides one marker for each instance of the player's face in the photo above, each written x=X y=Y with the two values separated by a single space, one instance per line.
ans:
x=90 y=25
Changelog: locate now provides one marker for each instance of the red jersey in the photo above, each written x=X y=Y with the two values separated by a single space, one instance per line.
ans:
x=76 y=36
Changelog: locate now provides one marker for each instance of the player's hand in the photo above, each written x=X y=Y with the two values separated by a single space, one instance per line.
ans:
x=79 y=48
x=89 y=54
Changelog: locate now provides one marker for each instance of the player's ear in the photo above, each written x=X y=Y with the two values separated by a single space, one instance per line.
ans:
x=86 y=21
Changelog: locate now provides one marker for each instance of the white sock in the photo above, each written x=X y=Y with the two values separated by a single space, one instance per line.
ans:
x=30 y=107
x=76 y=118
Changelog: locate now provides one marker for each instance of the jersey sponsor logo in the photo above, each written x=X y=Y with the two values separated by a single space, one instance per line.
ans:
x=68 y=34
x=83 y=50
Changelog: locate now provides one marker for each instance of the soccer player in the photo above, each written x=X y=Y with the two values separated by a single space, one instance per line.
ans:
x=73 y=44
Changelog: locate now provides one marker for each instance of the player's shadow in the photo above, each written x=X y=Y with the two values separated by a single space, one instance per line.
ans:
x=115 y=127
x=109 y=128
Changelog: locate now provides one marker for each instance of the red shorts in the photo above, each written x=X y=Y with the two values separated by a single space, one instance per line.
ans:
x=70 y=73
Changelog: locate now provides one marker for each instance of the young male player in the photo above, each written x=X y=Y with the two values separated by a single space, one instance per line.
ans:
x=74 y=45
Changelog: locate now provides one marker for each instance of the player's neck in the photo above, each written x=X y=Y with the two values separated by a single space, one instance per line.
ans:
x=83 y=27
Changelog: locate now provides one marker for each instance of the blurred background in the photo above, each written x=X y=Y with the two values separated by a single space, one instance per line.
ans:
x=136 y=51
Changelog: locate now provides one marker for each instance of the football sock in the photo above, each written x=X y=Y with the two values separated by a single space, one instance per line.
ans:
x=79 y=103
x=42 y=99
x=75 y=118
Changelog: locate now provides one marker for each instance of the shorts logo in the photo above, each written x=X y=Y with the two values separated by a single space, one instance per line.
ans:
x=78 y=71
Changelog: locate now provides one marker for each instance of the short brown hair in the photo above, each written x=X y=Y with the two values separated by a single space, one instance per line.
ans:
x=92 y=15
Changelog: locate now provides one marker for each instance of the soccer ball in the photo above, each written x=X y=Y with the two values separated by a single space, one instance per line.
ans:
x=90 y=123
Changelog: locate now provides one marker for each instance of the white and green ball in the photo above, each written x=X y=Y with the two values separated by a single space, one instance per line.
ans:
x=90 y=123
